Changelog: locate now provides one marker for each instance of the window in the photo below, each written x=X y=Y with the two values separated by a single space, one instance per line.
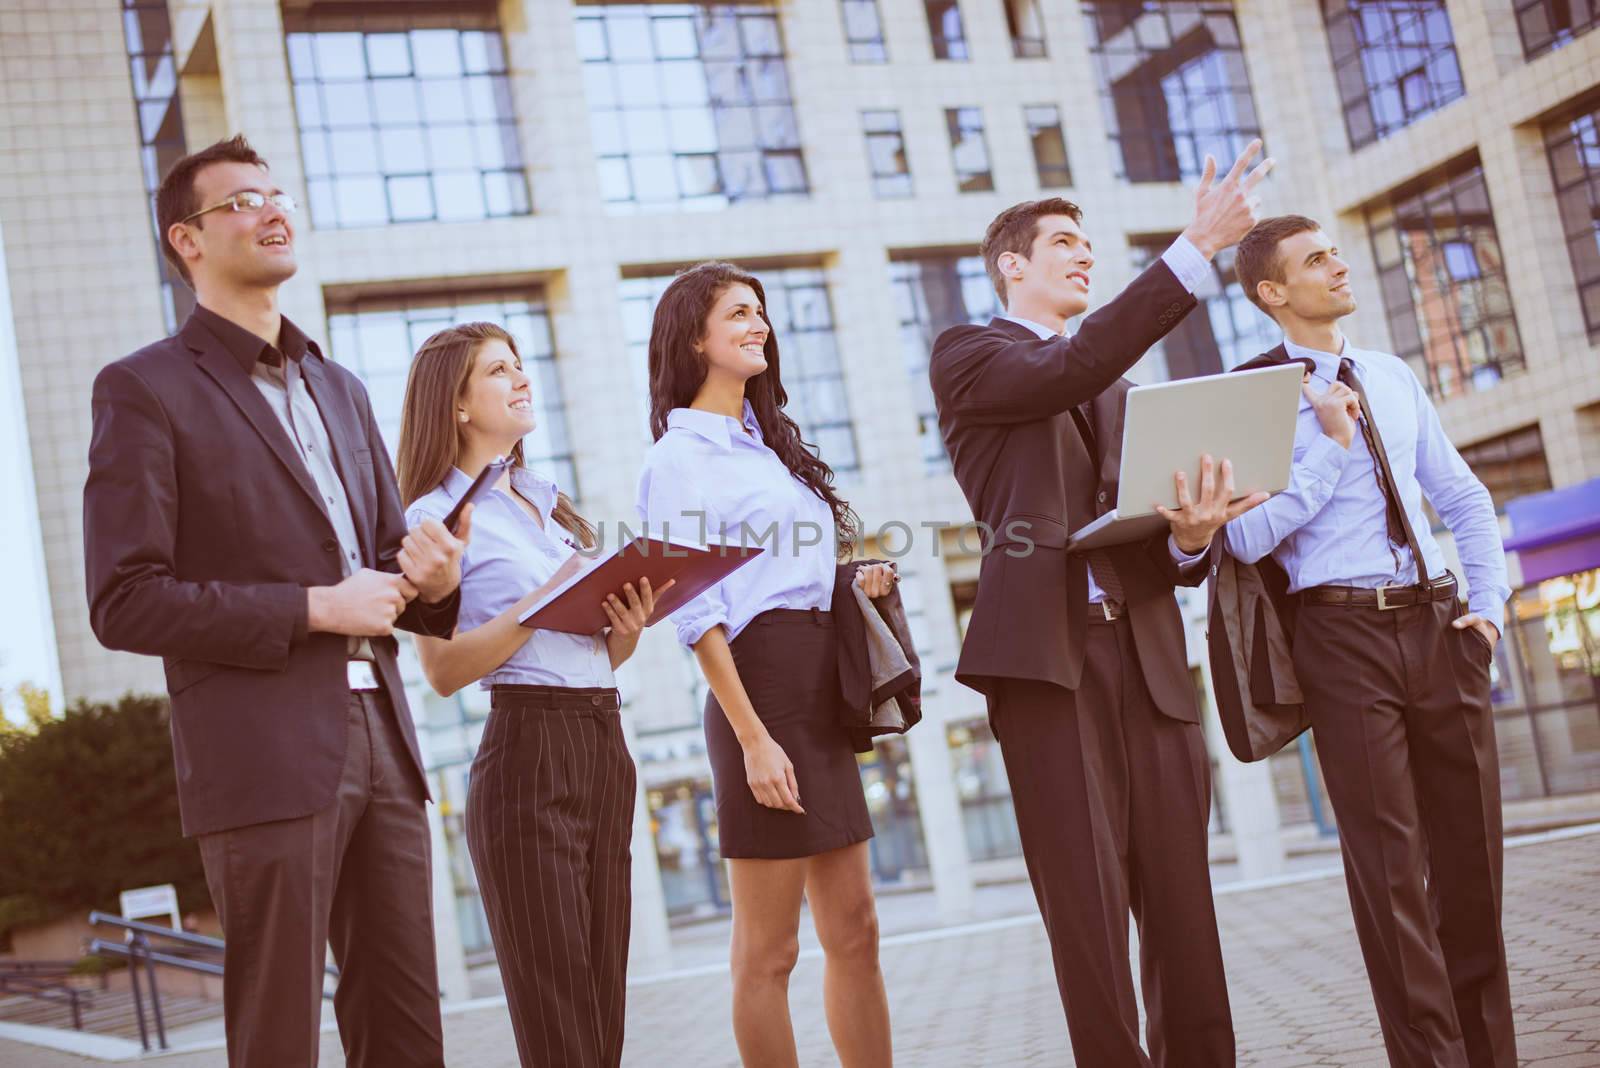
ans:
x=1573 y=146
x=1049 y=146
x=967 y=149
x=1443 y=282
x=1546 y=25
x=1225 y=331
x=147 y=31
x=863 y=31
x=376 y=338
x=801 y=314
x=944 y=26
x=1511 y=465
x=886 y=153
x=1394 y=60
x=932 y=292
x=1172 y=84
x=405 y=118
x=690 y=105
x=1027 y=28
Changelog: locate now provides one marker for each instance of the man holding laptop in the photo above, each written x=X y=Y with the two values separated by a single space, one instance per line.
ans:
x=1395 y=675
x=1082 y=656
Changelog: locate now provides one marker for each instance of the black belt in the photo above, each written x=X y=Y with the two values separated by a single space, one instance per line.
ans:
x=603 y=698
x=1107 y=611
x=1383 y=598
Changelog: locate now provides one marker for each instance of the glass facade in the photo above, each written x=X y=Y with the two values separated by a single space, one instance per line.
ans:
x=376 y=338
x=1173 y=85
x=1443 y=282
x=863 y=31
x=932 y=292
x=1573 y=146
x=147 y=32
x=689 y=105
x=945 y=29
x=886 y=153
x=969 y=152
x=1025 y=23
x=1394 y=60
x=405 y=118
x=1225 y=331
x=1049 y=145
x=801 y=315
x=1546 y=25
x=1511 y=465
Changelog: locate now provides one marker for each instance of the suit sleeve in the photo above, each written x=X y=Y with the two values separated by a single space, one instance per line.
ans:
x=433 y=620
x=137 y=602
x=984 y=376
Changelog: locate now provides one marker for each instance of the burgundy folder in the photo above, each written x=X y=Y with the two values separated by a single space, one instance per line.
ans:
x=574 y=606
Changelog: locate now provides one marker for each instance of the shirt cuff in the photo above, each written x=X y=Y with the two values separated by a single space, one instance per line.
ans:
x=1491 y=608
x=1182 y=559
x=692 y=630
x=1325 y=458
x=1187 y=262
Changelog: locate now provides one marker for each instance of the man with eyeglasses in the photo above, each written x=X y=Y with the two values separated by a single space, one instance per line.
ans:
x=242 y=521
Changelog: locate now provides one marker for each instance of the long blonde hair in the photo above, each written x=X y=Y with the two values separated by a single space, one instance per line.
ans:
x=429 y=439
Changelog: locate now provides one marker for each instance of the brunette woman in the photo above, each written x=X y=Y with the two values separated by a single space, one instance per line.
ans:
x=551 y=795
x=792 y=819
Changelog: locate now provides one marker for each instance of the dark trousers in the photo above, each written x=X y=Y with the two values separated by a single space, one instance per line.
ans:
x=549 y=826
x=1112 y=800
x=355 y=876
x=1399 y=706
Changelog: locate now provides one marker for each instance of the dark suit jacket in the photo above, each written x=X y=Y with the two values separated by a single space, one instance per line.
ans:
x=202 y=530
x=1006 y=404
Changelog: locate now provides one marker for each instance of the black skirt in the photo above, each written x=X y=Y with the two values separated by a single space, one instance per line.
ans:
x=788 y=662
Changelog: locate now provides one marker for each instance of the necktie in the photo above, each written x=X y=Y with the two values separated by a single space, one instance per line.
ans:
x=1100 y=565
x=1399 y=526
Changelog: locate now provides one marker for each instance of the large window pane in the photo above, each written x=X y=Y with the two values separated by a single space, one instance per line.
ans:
x=945 y=29
x=968 y=150
x=1172 y=85
x=1573 y=145
x=377 y=337
x=1511 y=465
x=1546 y=25
x=886 y=153
x=691 y=102
x=1394 y=61
x=1223 y=332
x=405 y=118
x=863 y=31
x=1049 y=146
x=1443 y=282
x=932 y=292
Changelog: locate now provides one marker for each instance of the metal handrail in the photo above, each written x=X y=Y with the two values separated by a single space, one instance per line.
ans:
x=16 y=977
x=187 y=938
x=120 y=949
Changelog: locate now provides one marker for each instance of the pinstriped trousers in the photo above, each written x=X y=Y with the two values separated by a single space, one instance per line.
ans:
x=549 y=825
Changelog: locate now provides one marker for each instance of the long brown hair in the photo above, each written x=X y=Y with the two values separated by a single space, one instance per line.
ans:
x=429 y=440
x=677 y=373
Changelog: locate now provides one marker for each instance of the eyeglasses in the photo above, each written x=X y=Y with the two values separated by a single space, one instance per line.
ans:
x=249 y=200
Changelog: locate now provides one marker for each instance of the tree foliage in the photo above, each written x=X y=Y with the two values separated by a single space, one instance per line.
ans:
x=88 y=808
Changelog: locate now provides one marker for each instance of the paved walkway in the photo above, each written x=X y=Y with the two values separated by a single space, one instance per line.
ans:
x=985 y=995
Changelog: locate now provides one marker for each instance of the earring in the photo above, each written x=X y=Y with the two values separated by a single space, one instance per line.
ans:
x=463 y=417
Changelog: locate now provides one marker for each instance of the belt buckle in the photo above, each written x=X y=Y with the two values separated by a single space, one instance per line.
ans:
x=1383 y=602
x=360 y=675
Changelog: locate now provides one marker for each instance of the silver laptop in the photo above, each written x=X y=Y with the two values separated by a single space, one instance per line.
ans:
x=1247 y=417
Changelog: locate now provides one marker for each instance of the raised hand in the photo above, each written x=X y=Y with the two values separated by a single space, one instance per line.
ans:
x=1225 y=211
x=1195 y=521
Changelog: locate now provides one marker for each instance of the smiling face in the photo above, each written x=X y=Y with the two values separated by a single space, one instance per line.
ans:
x=497 y=399
x=235 y=249
x=1316 y=281
x=1054 y=275
x=733 y=341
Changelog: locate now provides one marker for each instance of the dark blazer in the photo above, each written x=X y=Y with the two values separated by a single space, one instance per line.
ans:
x=860 y=685
x=1007 y=409
x=1250 y=641
x=202 y=530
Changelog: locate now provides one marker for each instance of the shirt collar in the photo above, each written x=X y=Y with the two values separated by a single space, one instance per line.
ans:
x=541 y=492
x=248 y=348
x=717 y=429
x=1327 y=362
x=1044 y=332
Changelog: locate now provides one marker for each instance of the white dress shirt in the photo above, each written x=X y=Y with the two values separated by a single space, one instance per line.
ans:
x=1329 y=527
x=1191 y=268
x=712 y=476
x=508 y=555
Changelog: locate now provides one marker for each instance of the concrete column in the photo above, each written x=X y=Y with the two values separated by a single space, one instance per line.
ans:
x=650 y=944
x=1248 y=803
x=942 y=832
x=452 y=958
